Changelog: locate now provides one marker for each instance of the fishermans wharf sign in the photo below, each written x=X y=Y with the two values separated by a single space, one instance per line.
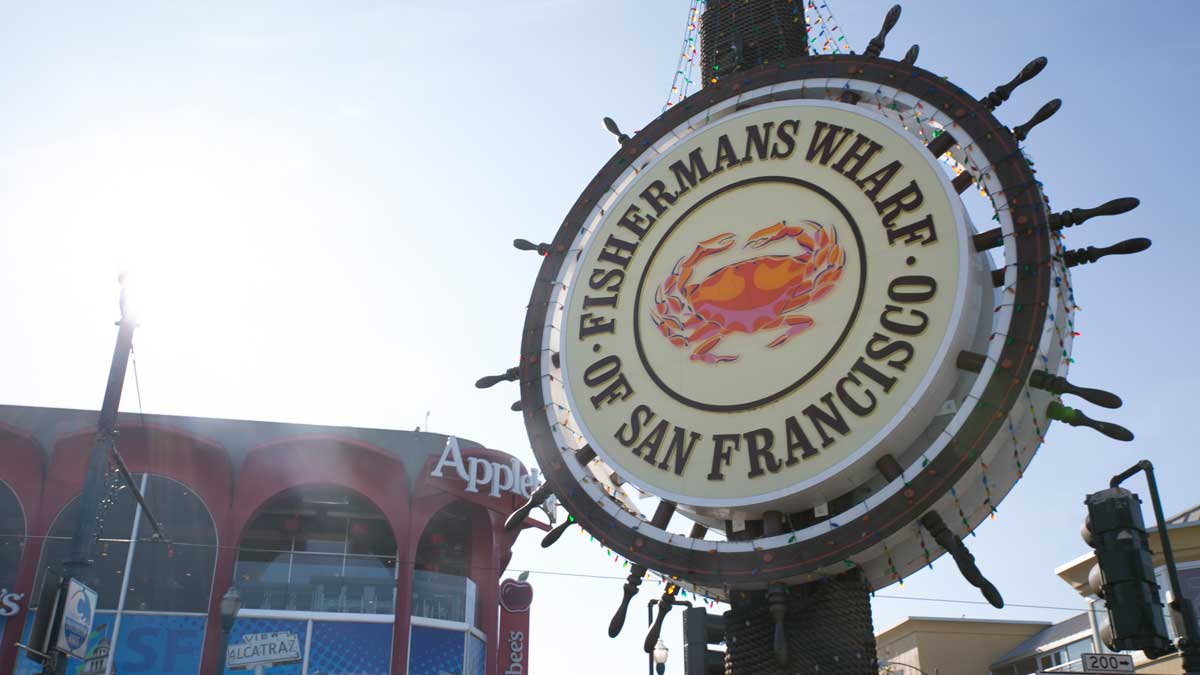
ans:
x=770 y=300
x=770 y=314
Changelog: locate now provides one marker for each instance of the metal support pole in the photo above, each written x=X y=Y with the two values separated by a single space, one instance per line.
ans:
x=1189 y=643
x=79 y=563
x=220 y=669
x=826 y=627
x=80 y=560
x=650 y=622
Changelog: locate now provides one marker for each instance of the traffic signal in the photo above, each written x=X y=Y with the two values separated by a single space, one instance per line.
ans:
x=1124 y=574
x=699 y=631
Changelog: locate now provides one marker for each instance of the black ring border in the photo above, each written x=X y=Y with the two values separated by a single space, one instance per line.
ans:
x=1018 y=356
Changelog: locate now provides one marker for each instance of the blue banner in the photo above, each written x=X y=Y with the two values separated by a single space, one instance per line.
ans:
x=359 y=648
x=433 y=651
x=477 y=656
x=159 y=644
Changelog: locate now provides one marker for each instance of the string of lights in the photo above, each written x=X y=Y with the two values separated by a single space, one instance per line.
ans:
x=825 y=34
x=689 y=52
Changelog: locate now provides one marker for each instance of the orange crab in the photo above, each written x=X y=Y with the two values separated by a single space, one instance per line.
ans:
x=758 y=294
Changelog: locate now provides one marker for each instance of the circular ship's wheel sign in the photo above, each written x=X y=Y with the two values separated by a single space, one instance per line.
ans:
x=755 y=313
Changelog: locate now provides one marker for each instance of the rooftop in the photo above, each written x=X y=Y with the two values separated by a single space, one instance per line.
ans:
x=1048 y=636
x=1191 y=515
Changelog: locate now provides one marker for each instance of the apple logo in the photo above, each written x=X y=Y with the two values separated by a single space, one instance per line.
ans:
x=516 y=596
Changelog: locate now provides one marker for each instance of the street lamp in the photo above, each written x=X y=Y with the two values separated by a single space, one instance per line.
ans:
x=231 y=604
x=660 y=656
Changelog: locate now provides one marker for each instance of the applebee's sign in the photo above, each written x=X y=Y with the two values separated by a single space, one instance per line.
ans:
x=515 y=599
x=480 y=472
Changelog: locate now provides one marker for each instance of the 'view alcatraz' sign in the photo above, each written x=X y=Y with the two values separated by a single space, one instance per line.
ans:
x=769 y=301
x=264 y=649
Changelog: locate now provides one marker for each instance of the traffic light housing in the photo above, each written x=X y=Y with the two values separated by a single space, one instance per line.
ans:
x=1124 y=573
x=699 y=631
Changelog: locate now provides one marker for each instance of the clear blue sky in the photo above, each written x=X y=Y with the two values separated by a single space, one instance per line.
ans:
x=318 y=200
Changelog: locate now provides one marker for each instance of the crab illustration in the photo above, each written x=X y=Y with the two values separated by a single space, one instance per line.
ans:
x=749 y=296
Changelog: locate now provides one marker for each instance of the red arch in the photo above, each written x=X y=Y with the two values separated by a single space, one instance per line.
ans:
x=22 y=470
x=275 y=467
x=199 y=463
x=196 y=462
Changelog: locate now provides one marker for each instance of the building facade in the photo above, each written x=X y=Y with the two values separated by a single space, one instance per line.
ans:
x=949 y=646
x=360 y=550
x=985 y=647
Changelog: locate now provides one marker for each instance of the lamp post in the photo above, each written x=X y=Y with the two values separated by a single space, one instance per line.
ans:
x=660 y=656
x=231 y=604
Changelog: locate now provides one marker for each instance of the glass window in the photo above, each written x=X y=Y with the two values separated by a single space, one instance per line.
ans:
x=318 y=548
x=445 y=545
x=109 y=553
x=448 y=597
x=441 y=587
x=1076 y=649
x=175 y=576
x=1050 y=660
x=12 y=537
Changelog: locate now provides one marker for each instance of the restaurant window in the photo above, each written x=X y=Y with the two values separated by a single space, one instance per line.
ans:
x=442 y=588
x=153 y=594
x=318 y=548
x=110 y=551
x=164 y=576
x=12 y=537
x=176 y=576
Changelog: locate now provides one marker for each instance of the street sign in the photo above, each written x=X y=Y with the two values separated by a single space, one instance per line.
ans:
x=1107 y=663
x=77 y=616
x=263 y=649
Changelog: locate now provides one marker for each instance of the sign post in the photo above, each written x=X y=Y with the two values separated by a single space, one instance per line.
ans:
x=263 y=650
x=516 y=597
x=78 y=612
x=102 y=458
x=771 y=312
x=1106 y=663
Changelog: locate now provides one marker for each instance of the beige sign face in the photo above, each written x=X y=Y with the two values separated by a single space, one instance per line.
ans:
x=763 y=303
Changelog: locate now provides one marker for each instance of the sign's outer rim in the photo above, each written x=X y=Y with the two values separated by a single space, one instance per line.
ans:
x=1029 y=249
